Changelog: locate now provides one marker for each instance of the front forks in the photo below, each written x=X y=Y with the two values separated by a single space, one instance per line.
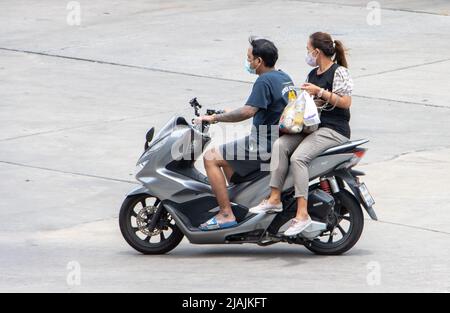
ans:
x=156 y=217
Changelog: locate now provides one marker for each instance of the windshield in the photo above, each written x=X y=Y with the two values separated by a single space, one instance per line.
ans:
x=162 y=135
x=166 y=130
x=170 y=127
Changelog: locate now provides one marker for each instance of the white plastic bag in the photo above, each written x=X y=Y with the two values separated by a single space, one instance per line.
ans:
x=291 y=121
x=311 y=115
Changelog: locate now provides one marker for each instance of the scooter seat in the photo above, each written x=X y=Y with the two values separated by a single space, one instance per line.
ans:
x=346 y=147
x=237 y=179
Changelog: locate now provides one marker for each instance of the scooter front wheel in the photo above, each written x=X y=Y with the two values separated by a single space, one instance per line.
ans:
x=136 y=215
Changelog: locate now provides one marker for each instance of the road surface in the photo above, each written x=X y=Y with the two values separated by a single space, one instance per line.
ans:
x=76 y=101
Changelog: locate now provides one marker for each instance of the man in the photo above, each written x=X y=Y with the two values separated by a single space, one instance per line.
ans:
x=265 y=105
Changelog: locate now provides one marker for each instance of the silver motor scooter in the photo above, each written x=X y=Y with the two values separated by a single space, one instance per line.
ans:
x=175 y=198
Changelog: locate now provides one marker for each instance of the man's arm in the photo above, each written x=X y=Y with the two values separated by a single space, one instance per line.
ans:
x=237 y=115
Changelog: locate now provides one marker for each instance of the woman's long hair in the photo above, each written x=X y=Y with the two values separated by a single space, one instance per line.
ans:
x=334 y=49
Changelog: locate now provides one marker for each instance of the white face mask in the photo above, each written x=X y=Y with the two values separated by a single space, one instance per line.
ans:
x=310 y=60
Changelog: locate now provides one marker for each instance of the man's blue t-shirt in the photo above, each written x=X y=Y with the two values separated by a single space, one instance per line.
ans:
x=270 y=96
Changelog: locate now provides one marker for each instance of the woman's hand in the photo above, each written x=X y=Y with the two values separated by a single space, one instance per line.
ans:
x=312 y=89
x=210 y=119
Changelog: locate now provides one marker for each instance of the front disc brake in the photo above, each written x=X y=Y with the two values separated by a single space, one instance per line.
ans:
x=143 y=220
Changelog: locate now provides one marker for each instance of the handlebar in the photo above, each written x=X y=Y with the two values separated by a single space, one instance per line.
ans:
x=213 y=112
x=197 y=106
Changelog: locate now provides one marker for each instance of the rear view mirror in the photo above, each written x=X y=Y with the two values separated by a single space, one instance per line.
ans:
x=149 y=137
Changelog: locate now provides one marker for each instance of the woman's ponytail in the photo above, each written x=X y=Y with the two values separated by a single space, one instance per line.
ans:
x=330 y=48
x=340 y=57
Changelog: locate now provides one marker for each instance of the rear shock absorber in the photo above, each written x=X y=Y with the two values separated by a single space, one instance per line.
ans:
x=325 y=185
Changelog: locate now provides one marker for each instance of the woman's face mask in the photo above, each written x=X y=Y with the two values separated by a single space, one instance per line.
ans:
x=310 y=59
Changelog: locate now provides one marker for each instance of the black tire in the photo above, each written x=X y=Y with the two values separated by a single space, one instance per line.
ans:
x=346 y=206
x=130 y=232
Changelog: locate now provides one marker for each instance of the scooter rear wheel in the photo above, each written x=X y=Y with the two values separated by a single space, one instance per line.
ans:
x=135 y=217
x=341 y=239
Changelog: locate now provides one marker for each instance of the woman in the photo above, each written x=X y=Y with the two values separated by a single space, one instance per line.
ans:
x=330 y=83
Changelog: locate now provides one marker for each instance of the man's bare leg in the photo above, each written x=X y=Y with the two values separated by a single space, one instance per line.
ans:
x=216 y=167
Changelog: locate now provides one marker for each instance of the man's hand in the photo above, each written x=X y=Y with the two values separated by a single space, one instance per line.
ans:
x=312 y=89
x=210 y=119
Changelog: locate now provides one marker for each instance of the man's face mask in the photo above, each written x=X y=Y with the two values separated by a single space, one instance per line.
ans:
x=249 y=69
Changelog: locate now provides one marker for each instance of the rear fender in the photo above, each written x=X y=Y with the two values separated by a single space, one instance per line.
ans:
x=352 y=182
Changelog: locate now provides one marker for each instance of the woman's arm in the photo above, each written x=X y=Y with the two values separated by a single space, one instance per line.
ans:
x=343 y=102
x=342 y=89
x=341 y=96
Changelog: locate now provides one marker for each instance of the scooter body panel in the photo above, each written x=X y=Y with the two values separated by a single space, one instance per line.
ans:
x=188 y=200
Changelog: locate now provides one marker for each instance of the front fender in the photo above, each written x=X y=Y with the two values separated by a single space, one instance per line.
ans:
x=138 y=191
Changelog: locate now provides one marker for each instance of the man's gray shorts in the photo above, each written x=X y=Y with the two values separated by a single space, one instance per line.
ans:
x=245 y=157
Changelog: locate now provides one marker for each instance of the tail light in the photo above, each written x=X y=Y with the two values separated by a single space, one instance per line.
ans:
x=358 y=154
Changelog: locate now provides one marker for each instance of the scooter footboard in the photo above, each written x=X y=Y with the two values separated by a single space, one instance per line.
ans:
x=251 y=224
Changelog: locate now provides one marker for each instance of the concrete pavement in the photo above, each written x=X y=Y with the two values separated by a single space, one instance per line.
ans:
x=76 y=102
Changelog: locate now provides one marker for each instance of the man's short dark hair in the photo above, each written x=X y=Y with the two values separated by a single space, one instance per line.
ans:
x=264 y=49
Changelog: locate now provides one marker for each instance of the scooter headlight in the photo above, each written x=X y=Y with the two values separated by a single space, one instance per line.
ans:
x=139 y=167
